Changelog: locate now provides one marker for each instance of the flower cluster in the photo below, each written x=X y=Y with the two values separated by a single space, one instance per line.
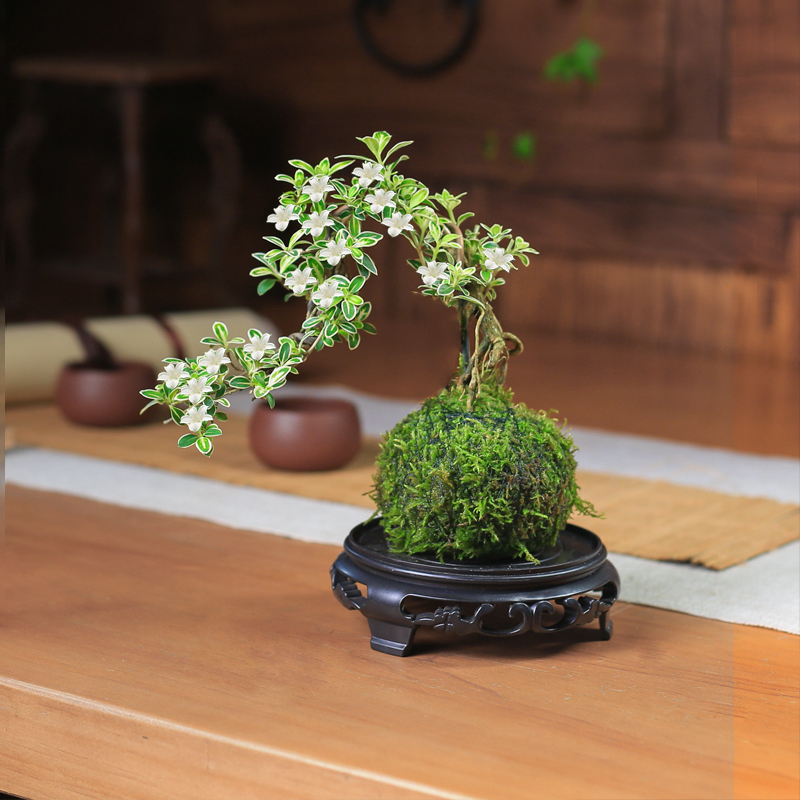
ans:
x=325 y=260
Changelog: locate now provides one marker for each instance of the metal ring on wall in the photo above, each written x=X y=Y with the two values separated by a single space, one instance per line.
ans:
x=361 y=9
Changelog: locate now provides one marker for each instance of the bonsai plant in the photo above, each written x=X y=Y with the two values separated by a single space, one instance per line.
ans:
x=471 y=475
x=474 y=492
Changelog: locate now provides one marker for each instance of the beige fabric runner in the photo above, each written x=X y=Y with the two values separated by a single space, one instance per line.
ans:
x=651 y=519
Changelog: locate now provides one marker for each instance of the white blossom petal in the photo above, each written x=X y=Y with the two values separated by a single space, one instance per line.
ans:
x=382 y=198
x=497 y=258
x=299 y=280
x=327 y=293
x=173 y=373
x=283 y=216
x=316 y=187
x=432 y=272
x=398 y=223
x=368 y=172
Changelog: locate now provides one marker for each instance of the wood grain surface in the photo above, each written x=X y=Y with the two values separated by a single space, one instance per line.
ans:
x=652 y=519
x=152 y=656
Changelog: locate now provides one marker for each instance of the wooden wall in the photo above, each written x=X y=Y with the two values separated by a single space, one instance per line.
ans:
x=664 y=200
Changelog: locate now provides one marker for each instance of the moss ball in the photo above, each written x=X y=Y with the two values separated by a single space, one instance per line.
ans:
x=496 y=482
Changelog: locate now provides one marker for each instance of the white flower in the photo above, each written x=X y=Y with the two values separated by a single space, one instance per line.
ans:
x=327 y=293
x=213 y=360
x=196 y=388
x=317 y=222
x=283 y=216
x=497 y=259
x=316 y=187
x=195 y=417
x=259 y=344
x=432 y=272
x=380 y=200
x=299 y=280
x=334 y=252
x=369 y=171
x=173 y=373
x=398 y=223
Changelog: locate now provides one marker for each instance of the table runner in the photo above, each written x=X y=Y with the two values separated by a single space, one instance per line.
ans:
x=647 y=518
x=762 y=591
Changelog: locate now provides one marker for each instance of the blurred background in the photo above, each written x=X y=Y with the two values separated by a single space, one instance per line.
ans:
x=649 y=149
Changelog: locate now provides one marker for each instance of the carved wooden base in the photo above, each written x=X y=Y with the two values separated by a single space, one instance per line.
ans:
x=572 y=584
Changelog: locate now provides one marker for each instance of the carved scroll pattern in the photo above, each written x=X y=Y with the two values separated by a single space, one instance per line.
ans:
x=346 y=590
x=531 y=616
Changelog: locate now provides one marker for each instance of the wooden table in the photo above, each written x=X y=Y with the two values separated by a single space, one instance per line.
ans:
x=149 y=656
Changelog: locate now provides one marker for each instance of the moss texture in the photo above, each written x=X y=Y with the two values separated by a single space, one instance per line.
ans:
x=495 y=482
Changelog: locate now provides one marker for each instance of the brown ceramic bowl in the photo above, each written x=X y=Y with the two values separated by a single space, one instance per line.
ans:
x=305 y=434
x=88 y=395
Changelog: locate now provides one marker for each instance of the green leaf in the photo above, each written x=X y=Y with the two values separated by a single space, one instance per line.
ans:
x=418 y=197
x=204 y=445
x=221 y=332
x=397 y=146
x=221 y=415
x=368 y=264
x=356 y=284
x=376 y=143
x=464 y=217
x=239 y=382
x=296 y=162
x=211 y=340
x=349 y=310
x=283 y=177
x=176 y=414
x=213 y=430
x=368 y=238
x=265 y=285
x=187 y=440
x=151 y=394
x=340 y=165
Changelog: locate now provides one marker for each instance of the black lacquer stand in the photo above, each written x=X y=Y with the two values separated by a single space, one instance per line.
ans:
x=572 y=584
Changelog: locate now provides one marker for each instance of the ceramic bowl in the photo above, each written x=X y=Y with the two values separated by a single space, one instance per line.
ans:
x=88 y=395
x=305 y=434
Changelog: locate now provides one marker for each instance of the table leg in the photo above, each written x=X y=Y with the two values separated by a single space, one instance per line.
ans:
x=131 y=101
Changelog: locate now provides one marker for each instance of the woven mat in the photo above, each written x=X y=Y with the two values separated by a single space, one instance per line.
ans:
x=651 y=519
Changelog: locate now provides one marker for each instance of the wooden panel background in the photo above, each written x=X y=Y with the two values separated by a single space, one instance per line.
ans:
x=665 y=200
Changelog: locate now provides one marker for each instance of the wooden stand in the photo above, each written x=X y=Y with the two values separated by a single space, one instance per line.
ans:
x=407 y=592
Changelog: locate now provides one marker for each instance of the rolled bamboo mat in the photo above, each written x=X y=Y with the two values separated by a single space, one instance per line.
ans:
x=36 y=351
x=651 y=519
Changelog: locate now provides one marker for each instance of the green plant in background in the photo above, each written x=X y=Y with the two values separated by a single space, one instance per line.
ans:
x=471 y=474
x=580 y=61
x=523 y=147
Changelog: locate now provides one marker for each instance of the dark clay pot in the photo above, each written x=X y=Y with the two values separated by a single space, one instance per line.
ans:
x=305 y=434
x=109 y=397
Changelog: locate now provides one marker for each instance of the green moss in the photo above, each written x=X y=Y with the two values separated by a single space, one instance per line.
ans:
x=494 y=482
